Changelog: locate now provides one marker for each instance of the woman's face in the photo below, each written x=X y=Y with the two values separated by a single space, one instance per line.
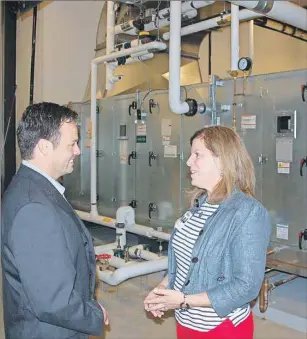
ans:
x=204 y=166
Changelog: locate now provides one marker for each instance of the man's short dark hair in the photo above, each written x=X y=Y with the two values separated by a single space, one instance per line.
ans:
x=42 y=121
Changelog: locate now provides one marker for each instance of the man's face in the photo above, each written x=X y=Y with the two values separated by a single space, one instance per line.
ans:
x=62 y=157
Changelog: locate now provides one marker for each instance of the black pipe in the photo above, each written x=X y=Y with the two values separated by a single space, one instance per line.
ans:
x=9 y=84
x=33 y=54
x=210 y=54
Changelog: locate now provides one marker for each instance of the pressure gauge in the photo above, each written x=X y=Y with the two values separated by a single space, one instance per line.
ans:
x=245 y=64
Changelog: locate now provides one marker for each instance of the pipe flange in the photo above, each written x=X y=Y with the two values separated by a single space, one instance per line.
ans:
x=192 y=107
x=264 y=6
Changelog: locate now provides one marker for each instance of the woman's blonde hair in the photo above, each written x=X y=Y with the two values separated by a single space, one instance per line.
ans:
x=236 y=165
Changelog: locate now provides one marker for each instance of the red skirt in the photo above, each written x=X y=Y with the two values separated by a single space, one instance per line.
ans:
x=226 y=330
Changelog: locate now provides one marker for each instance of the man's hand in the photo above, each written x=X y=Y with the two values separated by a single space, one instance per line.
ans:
x=105 y=314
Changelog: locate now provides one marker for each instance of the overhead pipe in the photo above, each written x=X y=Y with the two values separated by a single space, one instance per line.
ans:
x=110 y=42
x=151 y=46
x=251 y=40
x=176 y=105
x=216 y=22
x=132 y=270
x=188 y=11
x=235 y=36
x=235 y=52
x=283 y=11
x=145 y=231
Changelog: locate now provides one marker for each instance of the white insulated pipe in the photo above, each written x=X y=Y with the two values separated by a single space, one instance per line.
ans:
x=176 y=105
x=131 y=270
x=188 y=9
x=139 y=252
x=139 y=58
x=283 y=11
x=105 y=248
x=251 y=39
x=148 y=232
x=110 y=41
x=155 y=45
x=136 y=251
x=235 y=36
x=244 y=14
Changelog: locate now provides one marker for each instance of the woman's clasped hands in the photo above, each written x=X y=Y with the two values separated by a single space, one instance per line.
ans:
x=160 y=300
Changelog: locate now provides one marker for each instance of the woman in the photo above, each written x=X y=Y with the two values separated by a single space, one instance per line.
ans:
x=217 y=251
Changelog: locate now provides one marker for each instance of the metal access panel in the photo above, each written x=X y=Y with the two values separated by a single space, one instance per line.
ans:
x=77 y=183
x=284 y=145
x=114 y=176
x=271 y=118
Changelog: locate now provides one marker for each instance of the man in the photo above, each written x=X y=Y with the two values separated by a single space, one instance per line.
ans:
x=48 y=259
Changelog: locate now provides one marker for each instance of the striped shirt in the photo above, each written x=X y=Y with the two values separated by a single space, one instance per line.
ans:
x=201 y=319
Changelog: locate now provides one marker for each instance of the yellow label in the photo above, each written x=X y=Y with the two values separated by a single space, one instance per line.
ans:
x=107 y=219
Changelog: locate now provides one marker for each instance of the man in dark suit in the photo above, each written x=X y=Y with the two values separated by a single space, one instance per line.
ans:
x=48 y=260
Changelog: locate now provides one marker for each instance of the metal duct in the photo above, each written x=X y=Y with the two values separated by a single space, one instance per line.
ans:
x=149 y=74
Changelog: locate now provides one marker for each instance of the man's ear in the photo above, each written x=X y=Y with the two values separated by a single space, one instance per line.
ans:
x=44 y=146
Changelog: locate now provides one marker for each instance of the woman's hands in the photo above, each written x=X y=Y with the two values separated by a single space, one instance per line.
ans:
x=160 y=300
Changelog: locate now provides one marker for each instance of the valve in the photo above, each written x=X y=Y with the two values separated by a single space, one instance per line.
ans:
x=302 y=236
x=132 y=155
x=132 y=106
x=133 y=203
x=303 y=91
x=151 y=207
x=302 y=163
x=103 y=256
x=152 y=104
x=151 y=157
x=104 y=260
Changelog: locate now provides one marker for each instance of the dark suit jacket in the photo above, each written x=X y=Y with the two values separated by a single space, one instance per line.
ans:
x=48 y=264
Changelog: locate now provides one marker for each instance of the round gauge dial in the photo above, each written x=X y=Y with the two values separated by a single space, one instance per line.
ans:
x=245 y=64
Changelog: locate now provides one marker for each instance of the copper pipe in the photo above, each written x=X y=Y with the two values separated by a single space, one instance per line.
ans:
x=267 y=287
x=234 y=111
x=264 y=295
x=277 y=262
x=274 y=250
x=282 y=281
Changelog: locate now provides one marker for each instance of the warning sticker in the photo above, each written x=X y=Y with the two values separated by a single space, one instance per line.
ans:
x=283 y=167
x=282 y=231
x=248 y=121
x=170 y=151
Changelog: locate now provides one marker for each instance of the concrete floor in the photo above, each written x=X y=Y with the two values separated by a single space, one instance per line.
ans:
x=129 y=320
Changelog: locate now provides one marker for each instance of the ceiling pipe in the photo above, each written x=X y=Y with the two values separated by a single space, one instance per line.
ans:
x=283 y=11
x=216 y=22
x=176 y=105
x=110 y=42
x=188 y=11
x=235 y=37
x=151 y=46
x=251 y=40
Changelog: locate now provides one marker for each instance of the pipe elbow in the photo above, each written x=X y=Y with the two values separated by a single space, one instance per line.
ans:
x=178 y=107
